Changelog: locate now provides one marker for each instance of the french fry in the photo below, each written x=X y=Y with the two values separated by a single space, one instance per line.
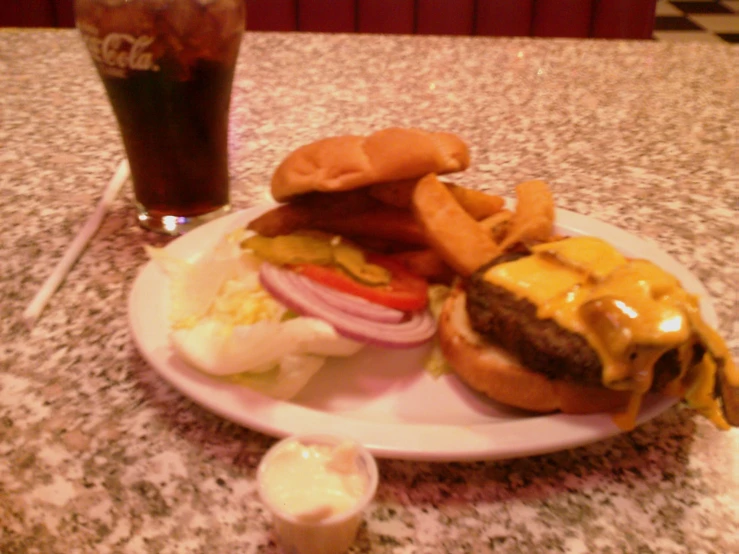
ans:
x=426 y=263
x=475 y=202
x=533 y=219
x=458 y=239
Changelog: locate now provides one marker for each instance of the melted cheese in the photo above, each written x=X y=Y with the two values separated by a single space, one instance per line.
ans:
x=536 y=278
x=589 y=254
x=631 y=312
x=700 y=393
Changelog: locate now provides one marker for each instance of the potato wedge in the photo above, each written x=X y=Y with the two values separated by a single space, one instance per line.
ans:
x=533 y=219
x=497 y=224
x=494 y=221
x=477 y=203
x=458 y=239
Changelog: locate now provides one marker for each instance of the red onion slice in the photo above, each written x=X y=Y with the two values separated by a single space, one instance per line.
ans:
x=353 y=305
x=290 y=288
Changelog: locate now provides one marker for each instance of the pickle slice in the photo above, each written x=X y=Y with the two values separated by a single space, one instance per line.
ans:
x=306 y=248
x=352 y=261
x=290 y=249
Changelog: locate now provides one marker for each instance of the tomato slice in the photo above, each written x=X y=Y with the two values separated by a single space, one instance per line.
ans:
x=406 y=291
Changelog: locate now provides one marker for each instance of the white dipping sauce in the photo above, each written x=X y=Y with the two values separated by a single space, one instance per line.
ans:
x=314 y=482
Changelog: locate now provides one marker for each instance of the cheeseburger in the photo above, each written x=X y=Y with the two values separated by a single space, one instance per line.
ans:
x=573 y=325
x=545 y=325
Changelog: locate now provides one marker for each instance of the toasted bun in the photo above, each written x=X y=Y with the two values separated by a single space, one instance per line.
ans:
x=494 y=372
x=347 y=162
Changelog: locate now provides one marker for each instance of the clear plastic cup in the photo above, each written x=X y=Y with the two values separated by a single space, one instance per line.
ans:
x=330 y=535
x=168 y=69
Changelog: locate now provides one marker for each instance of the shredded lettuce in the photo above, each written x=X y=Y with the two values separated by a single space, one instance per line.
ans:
x=224 y=324
x=284 y=380
x=435 y=362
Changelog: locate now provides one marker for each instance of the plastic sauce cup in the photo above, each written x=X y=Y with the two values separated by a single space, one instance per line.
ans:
x=334 y=534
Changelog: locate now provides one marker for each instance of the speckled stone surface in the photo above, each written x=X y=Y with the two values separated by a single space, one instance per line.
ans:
x=98 y=454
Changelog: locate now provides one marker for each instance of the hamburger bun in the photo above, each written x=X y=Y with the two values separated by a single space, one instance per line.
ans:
x=349 y=162
x=494 y=372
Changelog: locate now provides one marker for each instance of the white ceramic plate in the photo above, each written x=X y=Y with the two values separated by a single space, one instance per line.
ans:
x=384 y=398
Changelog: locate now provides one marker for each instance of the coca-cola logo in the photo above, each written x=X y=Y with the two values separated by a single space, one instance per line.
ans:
x=121 y=51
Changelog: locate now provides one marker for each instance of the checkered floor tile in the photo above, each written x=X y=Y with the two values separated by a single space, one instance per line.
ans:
x=701 y=20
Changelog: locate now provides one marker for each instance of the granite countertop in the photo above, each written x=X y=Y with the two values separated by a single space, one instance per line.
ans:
x=99 y=454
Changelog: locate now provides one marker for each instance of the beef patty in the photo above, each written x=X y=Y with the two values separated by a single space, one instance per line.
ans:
x=541 y=344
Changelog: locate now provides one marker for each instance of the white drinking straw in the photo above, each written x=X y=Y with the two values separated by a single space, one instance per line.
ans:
x=34 y=309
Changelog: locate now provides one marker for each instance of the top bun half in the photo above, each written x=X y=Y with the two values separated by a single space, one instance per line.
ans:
x=348 y=162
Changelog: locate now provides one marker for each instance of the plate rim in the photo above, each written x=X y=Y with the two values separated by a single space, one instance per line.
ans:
x=486 y=441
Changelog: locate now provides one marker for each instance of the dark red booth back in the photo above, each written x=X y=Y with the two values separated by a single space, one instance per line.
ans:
x=28 y=13
x=629 y=19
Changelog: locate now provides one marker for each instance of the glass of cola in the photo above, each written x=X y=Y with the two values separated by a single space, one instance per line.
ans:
x=168 y=67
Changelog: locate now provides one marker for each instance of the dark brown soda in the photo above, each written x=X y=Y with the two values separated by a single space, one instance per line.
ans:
x=175 y=133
